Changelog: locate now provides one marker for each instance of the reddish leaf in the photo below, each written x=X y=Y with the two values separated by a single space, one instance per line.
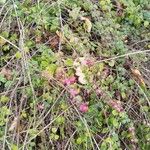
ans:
x=84 y=107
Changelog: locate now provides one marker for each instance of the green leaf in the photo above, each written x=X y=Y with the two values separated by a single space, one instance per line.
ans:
x=74 y=13
x=79 y=140
x=111 y=63
x=54 y=25
x=105 y=130
x=14 y=147
x=56 y=137
x=114 y=112
x=2 y=41
x=146 y=23
x=146 y=15
x=115 y=122
x=145 y=108
x=87 y=24
x=51 y=68
x=123 y=94
x=54 y=130
x=69 y=62
x=2 y=79
x=52 y=136
x=33 y=132
x=18 y=55
x=60 y=120
x=101 y=67
x=108 y=140
x=4 y=99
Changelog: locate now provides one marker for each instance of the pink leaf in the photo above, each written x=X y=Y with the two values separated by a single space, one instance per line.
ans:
x=84 y=107
x=40 y=106
x=89 y=62
x=73 y=92
x=116 y=105
x=70 y=80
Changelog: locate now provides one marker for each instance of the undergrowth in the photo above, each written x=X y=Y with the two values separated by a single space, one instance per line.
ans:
x=74 y=74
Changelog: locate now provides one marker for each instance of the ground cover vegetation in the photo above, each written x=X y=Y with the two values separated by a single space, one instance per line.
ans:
x=74 y=74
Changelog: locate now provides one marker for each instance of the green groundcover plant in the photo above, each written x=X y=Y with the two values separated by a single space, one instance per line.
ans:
x=74 y=74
